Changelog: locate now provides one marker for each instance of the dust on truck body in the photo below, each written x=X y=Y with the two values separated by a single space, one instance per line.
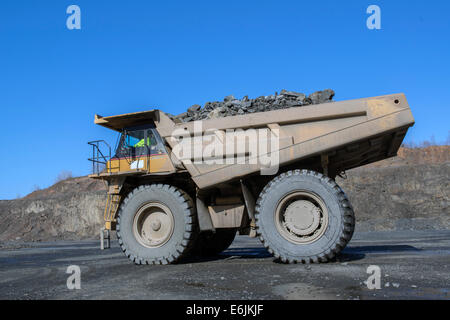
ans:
x=166 y=205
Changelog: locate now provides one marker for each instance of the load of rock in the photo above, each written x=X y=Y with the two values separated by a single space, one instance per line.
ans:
x=232 y=106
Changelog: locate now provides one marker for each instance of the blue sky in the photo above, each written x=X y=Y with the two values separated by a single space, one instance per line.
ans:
x=136 y=55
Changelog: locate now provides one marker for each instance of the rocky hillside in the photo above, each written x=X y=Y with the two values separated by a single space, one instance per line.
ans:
x=70 y=209
x=411 y=191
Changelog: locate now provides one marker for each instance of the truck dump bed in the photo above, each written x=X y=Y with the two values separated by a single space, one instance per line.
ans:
x=349 y=133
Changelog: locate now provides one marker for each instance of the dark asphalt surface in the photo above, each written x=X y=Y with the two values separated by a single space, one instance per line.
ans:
x=414 y=265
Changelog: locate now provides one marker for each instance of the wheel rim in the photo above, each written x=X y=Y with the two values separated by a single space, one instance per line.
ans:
x=301 y=217
x=153 y=225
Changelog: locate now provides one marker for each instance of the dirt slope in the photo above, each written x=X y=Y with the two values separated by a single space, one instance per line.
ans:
x=411 y=191
x=70 y=209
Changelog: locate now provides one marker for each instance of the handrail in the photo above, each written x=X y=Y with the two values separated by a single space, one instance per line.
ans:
x=98 y=158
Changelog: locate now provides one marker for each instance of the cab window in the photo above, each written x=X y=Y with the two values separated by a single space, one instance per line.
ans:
x=138 y=142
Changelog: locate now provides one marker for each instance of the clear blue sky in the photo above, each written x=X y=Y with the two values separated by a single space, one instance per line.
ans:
x=135 y=55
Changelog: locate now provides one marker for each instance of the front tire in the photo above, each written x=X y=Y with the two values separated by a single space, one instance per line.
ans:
x=304 y=216
x=156 y=224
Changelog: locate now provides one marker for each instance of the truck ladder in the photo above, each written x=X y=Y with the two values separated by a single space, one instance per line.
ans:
x=112 y=204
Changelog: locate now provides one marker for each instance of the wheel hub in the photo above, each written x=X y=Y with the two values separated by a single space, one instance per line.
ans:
x=153 y=225
x=302 y=217
x=156 y=225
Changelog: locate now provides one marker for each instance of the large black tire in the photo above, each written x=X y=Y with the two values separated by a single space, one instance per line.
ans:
x=212 y=243
x=334 y=227
x=183 y=224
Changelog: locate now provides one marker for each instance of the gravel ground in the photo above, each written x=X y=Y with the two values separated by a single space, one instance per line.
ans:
x=414 y=265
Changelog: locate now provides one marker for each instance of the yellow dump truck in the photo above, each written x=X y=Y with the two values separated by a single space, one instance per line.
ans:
x=177 y=189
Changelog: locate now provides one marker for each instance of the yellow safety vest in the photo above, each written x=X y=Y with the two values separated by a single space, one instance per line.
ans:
x=141 y=143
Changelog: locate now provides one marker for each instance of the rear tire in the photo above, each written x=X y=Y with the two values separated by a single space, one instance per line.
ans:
x=212 y=243
x=304 y=216
x=156 y=224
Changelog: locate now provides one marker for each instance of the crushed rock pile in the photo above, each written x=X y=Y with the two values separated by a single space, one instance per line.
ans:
x=232 y=106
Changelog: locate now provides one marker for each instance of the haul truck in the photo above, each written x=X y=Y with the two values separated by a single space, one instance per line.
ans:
x=166 y=205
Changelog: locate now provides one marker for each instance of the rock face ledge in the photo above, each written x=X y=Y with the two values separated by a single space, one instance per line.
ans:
x=231 y=106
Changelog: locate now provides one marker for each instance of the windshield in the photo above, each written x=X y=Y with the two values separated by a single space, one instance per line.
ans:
x=139 y=142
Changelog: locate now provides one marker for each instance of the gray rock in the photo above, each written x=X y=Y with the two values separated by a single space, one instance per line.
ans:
x=232 y=106
x=321 y=96
x=216 y=113
x=291 y=93
x=195 y=108
x=229 y=98
x=246 y=104
x=181 y=115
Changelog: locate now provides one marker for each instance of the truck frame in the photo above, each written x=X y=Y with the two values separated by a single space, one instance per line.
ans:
x=166 y=204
